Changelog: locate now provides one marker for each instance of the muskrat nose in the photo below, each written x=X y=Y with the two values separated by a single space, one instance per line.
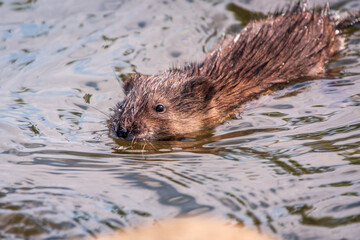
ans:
x=121 y=132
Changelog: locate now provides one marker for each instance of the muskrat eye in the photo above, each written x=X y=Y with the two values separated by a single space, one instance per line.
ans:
x=159 y=108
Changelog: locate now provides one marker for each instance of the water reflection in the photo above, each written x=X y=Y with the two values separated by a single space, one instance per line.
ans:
x=167 y=194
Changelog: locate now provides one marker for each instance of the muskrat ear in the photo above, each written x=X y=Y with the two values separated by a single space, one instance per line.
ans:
x=200 y=87
x=131 y=81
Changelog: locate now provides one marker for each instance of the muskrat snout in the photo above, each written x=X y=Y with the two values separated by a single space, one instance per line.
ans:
x=120 y=132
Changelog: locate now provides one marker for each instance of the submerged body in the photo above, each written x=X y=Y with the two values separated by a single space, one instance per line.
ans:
x=282 y=49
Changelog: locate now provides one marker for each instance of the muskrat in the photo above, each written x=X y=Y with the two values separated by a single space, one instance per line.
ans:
x=287 y=46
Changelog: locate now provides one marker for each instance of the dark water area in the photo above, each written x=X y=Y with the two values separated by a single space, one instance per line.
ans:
x=289 y=165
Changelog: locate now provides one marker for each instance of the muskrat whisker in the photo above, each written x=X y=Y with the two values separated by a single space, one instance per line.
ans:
x=132 y=141
x=79 y=132
x=144 y=147
x=117 y=77
x=106 y=114
x=152 y=145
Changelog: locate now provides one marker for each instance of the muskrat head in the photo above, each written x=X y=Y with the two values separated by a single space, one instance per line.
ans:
x=166 y=106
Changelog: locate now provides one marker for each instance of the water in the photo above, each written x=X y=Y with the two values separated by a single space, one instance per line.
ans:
x=289 y=165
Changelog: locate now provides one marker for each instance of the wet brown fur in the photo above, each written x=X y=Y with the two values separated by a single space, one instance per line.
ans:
x=283 y=48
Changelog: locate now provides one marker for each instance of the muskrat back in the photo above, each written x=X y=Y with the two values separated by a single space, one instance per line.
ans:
x=283 y=48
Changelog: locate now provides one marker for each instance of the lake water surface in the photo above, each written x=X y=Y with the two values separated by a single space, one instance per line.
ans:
x=289 y=165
